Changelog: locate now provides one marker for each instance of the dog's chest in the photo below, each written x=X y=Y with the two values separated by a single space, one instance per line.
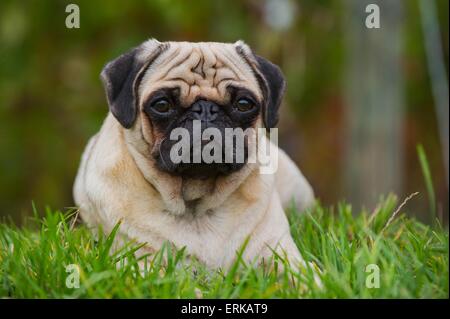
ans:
x=214 y=238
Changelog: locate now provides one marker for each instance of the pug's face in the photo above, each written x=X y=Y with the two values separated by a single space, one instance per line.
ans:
x=197 y=87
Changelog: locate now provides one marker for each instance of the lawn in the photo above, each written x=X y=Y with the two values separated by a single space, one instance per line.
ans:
x=350 y=248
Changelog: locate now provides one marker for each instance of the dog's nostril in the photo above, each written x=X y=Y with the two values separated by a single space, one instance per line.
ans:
x=205 y=110
x=197 y=108
x=214 y=109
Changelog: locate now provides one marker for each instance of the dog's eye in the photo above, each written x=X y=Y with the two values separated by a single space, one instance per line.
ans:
x=244 y=104
x=162 y=105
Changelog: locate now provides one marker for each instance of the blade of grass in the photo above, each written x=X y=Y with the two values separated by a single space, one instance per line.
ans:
x=428 y=180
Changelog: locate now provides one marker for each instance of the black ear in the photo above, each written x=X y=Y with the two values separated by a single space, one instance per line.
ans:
x=118 y=79
x=275 y=85
x=121 y=78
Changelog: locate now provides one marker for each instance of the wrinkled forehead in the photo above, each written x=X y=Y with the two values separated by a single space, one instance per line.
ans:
x=199 y=70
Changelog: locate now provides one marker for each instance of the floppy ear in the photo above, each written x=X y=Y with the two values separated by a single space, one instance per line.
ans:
x=121 y=78
x=275 y=90
x=270 y=79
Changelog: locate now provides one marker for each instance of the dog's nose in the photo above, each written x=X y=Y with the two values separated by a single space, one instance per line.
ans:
x=205 y=110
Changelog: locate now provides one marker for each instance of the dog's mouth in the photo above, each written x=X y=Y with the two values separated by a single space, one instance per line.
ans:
x=195 y=167
x=200 y=170
x=204 y=171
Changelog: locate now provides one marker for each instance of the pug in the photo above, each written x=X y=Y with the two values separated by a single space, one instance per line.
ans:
x=127 y=172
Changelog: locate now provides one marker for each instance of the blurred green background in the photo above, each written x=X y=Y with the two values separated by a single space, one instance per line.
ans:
x=358 y=100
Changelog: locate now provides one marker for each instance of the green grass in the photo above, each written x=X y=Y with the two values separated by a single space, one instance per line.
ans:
x=425 y=167
x=412 y=258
